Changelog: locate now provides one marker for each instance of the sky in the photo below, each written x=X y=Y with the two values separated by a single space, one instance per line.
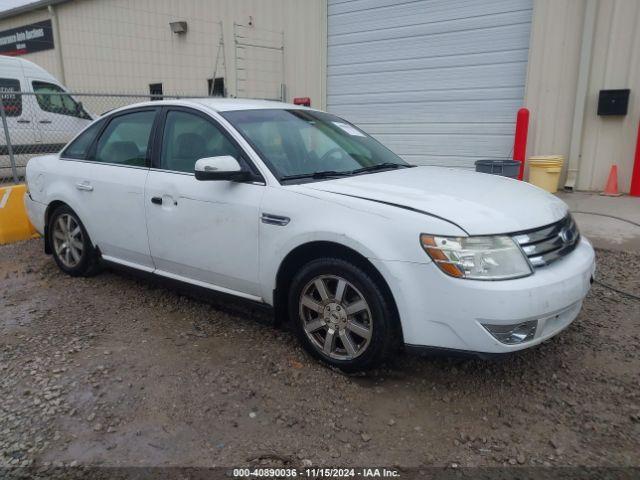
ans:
x=9 y=4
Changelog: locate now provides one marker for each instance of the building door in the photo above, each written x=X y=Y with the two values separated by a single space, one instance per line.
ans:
x=438 y=81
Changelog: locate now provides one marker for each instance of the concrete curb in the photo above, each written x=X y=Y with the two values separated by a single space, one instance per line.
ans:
x=14 y=222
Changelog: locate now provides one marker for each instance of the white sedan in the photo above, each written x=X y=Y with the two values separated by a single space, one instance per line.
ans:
x=303 y=211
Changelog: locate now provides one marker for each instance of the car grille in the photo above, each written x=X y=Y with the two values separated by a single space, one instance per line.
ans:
x=547 y=244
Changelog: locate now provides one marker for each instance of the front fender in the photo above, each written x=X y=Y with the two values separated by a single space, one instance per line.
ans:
x=376 y=231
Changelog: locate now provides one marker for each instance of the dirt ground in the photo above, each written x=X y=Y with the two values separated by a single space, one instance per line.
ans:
x=120 y=371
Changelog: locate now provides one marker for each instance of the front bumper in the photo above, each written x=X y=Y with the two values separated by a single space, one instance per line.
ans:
x=447 y=313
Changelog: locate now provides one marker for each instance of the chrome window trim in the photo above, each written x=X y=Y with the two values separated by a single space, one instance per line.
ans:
x=93 y=162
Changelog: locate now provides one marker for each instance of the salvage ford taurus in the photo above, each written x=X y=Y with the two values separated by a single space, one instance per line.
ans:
x=303 y=211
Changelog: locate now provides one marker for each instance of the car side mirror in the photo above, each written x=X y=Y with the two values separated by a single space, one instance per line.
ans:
x=81 y=112
x=224 y=167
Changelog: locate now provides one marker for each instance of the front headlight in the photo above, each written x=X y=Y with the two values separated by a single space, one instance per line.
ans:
x=478 y=258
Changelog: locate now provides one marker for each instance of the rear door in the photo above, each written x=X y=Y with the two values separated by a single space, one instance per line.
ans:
x=109 y=184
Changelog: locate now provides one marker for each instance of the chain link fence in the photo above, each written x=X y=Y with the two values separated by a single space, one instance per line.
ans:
x=42 y=122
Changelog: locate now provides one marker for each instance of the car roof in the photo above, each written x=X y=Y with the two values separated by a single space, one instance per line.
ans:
x=220 y=104
x=228 y=104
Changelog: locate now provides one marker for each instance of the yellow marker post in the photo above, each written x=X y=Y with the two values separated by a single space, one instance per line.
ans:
x=14 y=222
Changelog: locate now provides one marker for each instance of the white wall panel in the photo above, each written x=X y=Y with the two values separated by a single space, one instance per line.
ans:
x=439 y=81
x=121 y=46
x=553 y=76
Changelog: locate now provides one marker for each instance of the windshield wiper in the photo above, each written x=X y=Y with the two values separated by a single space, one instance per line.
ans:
x=325 y=174
x=333 y=173
x=380 y=166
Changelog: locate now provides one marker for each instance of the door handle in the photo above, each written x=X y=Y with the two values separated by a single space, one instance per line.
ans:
x=44 y=121
x=84 y=186
x=156 y=200
x=23 y=121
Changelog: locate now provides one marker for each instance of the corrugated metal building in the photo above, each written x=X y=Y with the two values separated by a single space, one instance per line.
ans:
x=439 y=81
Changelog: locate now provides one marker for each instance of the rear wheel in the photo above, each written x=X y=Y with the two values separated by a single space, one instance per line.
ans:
x=72 y=249
x=340 y=314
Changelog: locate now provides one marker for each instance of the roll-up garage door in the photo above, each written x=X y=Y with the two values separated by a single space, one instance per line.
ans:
x=437 y=81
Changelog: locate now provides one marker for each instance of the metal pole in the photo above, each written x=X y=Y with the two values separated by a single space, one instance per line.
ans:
x=283 y=92
x=235 y=54
x=8 y=140
x=57 y=43
x=577 y=130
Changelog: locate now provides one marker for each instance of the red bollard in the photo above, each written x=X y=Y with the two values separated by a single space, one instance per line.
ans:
x=635 y=173
x=520 y=141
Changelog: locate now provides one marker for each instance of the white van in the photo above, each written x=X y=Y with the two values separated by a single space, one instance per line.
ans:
x=38 y=122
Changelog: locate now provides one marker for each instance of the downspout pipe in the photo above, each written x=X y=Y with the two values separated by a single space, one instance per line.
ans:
x=57 y=42
x=577 y=131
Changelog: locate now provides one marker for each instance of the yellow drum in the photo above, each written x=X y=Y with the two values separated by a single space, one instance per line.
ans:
x=544 y=171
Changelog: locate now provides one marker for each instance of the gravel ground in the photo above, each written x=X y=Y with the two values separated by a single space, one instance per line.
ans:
x=117 y=370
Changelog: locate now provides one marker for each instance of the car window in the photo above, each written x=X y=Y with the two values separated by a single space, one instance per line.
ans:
x=125 y=141
x=187 y=138
x=81 y=146
x=12 y=102
x=52 y=98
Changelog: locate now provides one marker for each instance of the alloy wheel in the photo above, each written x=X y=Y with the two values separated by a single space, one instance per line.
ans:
x=68 y=241
x=336 y=317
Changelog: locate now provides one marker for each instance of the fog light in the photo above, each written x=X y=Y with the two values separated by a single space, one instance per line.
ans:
x=513 y=334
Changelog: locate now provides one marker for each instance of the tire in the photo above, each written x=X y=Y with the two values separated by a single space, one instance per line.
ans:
x=352 y=305
x=77 y=257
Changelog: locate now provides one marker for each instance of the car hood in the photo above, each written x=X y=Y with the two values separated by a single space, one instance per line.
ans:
x=479 y=203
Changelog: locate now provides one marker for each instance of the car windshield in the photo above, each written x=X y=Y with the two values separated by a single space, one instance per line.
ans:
x=298 y=144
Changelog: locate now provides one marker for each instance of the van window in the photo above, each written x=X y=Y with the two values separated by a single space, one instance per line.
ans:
x=52 y=98
x=125 y=141
x=81 y=146
x=12 y=101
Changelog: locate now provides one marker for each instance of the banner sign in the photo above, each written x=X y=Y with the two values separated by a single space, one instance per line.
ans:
x=34 y=37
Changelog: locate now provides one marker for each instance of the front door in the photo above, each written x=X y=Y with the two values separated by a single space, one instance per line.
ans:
x=204 y=232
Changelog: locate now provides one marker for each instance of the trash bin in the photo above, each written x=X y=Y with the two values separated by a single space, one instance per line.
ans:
x=505 y=168
x=545 y=170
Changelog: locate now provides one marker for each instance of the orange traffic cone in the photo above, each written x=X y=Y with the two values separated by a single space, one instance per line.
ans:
x=611 y=188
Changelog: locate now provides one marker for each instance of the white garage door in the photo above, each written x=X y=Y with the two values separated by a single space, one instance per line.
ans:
x=438 y=81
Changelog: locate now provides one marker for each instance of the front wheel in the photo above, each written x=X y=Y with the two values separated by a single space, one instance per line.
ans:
x=70 y=243
x=340 y=314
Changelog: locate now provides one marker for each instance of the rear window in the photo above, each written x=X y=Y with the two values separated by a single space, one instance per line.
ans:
x=81 y=146
x=11 y=99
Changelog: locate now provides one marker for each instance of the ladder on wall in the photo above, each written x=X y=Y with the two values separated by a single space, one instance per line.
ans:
x=259 y=63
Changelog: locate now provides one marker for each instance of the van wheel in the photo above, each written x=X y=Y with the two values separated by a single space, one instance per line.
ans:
x=72 y=249
x=340 y=314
